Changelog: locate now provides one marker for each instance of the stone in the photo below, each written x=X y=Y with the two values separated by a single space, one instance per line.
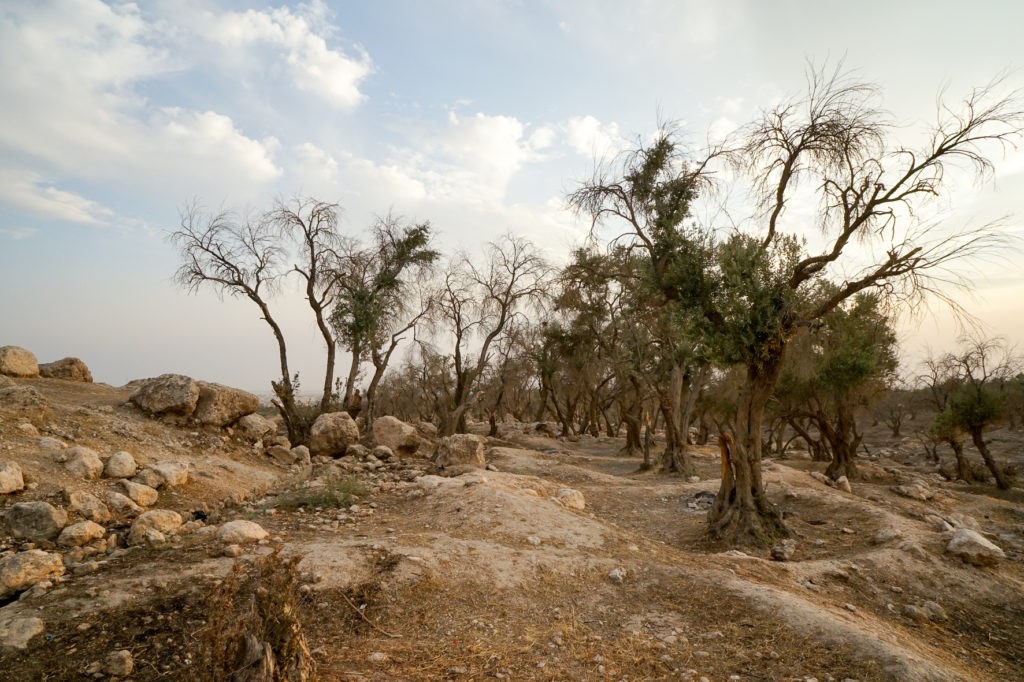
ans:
x=935 y=611
x=232 y=551
x=81 y=533
x=843 y=483
x=19 y=632
x=68 y=369
x=172 y=474
x=462 y=449
x=167 y=394
x=220 y=405
x=18 y=362
x=255 y=426
x=163 y=521
x=20 y=571
x=120 y=465
x=11 y=479
x=149 y=477
x=357 y=451
x=915 y=613
x=617 y=575
x=241 y=532
x=122 y=504
x=332 y=433
x=395 y=434
x=119 y=663
x=784 y=551
x=88 y=506
x=885 y=535
x=83 y=462
x=916 y=490
x=972 y=547
x=35 y=521
x=571 y=498
x=426 y=429
x=302 y=455
x=281 y=454
x=140 y=494
x=383 y=452
x=49 y=444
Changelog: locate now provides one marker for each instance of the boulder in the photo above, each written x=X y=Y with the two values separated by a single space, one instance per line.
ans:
x=35 y=521
x=383 y=452
x=916 y=490
x=119 y=663
x=69 y=369
x=393 y=433
x=149 y=477
x=281 y=454
x=140 y=494
x=255 y=426
x=220 y=405
x=82 y=533
x=332 y=433
x=460 y=449
x=302 y=454
x=21 y=571
x=83 y=462
x=426 y=429
x=48 y=444
x=162 y=521
x=784 y=551
x=843 y=483
x=241 y=532
x=167 y=394
x=11 y=480
x=172 y=474
x=18 y=362
x=24 y=398
x=972 y=547
x=571 y=498
x=88 y=506
x=122 y=504
x=19 y=632
x=120 y=465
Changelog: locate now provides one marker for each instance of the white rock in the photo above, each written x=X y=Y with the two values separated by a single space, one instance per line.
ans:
x=119 y=663
x=972 y=547
x=573 y=499
x=241 y=532
x=461 y=449
x=143 y=495
x=220 y=405
x=83 y=462
x=172 y=474
x=82 y=533
x=122 y=503
x=120 y=465
x=395 y=434
x=255 y=426
x=68 y=369
x=617 y=575
x=88 y=506
x=843 y=483
x=332 y=433
x=35 y=521
x=160 y=520
x=167 y=394
x=23 y=570
x=18 y=362
x=11 y=479
x=19 y=632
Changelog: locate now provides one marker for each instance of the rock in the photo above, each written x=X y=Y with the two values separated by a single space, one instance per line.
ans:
x=302 y=455
x=426 y=429
x=18 y=362
x=915 y=613
x=383 y=452
x=241 y=532
x=784 y=550
x=617 y=575
x=172 y=474
x=393 y=433
x=332 y=433
x=885 y=535
x=82 y=533
x=143 y=495
x=11 y=479
x=843 y=483
x=50 y=444
x=35 y=521
x=821 y=478
x=68 y=369
x=357 y=451
x=461 y=449
x=255 y=426
x=24 y=398
x=916 y=490
x=119 y=663
x=28 y=428
x=281 y=454
x=20 y=631
x=160 y=520
x=21 y=571
x=935 y=611
x=573 y=499
x=83 y=462
x=220 y=405
x=122 y=503
x=149 y=477
x=167 y=394
x=88 y=506
x=972 y=547
x=120 y=465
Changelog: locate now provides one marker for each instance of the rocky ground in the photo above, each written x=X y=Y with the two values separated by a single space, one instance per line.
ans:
x=560 y=561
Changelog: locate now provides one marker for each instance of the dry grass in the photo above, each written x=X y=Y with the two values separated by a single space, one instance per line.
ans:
x=337 y=493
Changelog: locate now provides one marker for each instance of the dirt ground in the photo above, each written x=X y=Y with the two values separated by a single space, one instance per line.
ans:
x=486 y=575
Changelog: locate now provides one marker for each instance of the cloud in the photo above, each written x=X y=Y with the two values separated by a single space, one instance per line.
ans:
x=593 y=139
x=31 y=194
x=17 y=232
x=315 y=67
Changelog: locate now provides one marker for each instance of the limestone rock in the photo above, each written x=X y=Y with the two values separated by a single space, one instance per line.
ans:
x=172 y=474
x=784 y=551
x=426 y=429
x=167 y=394
x=160 y=520
x=916 y=490
x=83 y=462
x=392 y=432
x=24 y=398
x=149 y=477
x=332 y=433
x=885 y=535
x=281 y=454
x=82 y=533
x=571 y=498
x=220 y=405
x=460 y=449
x=255 y=426
x=302 y=454
x=88 y=506
x=120 y=465
x=241 y=532
x=122 y=503
x=18 y=362
x=383 y=452
x=49 y=444
x=11 y=480
x=35 y=521
x=69 y=369
x=21 y=571
x=843 y=483
x=119 y=663
x=140 y=494
x=972 y=547
x=19 y=632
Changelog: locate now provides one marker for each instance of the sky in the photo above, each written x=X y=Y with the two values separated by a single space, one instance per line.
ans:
x=478 y=115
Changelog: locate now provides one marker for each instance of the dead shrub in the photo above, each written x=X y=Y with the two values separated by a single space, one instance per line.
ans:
x=254 y=632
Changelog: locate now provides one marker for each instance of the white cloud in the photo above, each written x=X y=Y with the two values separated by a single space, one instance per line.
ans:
x=31 y=194
x=593 y=139
x=17 y=232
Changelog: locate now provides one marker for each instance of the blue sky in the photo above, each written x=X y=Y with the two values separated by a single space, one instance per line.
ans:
x=477 y=115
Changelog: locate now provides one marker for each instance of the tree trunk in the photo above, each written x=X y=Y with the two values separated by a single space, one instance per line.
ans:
x=979 y=442
x=353 y=374
x=963 y=467
x=674 y=408
x=648 y=442
x=633 y=444
x=844 y=444
x=741 y=512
